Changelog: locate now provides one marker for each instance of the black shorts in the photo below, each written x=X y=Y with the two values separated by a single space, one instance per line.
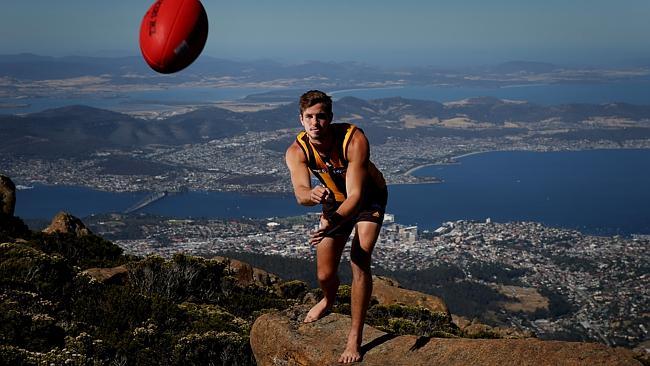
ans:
x=371 y=209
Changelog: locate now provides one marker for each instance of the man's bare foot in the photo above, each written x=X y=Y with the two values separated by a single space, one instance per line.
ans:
x=351 y=354
x=317 y=311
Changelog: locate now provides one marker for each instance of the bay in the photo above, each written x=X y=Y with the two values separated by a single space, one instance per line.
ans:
x=631 y=91
x=602 y=192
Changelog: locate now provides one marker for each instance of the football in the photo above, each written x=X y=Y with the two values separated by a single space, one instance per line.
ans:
x=173 y=34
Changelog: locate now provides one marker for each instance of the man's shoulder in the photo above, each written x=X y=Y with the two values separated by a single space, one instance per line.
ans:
x=295 y=153
x=343 y=125
x=293 y=147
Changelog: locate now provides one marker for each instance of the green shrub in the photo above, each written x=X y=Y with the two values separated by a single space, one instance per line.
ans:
x=86 y=251
x=181 y=279
x=23 y=267
x=14 y=356
x=37 y=332
x=12 y=227
x=109 y=312
x=400 y=319
x=209 y=317
x=247 y=302
x=293 y=289
x=213 y=348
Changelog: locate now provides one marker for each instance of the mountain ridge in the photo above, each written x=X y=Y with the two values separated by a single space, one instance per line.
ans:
x=80 y=129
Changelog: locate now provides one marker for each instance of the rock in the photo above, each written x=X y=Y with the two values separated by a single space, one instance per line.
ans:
x=11 y=227
x=460 y=321
x=7 y=196
x=642 y=352
x=109 y=276
x=67 y=224
x=388 y=292
x=476 y=329
x=247 y=275
x=279 y=338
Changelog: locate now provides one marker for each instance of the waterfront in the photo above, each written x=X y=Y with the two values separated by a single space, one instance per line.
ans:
x=600 y=192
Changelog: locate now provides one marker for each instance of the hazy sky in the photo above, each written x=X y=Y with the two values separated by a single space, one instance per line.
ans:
x=416 y=32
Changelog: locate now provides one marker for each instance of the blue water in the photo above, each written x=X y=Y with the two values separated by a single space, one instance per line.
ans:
x=633 y=92
x=223 y=204
x=598 y=192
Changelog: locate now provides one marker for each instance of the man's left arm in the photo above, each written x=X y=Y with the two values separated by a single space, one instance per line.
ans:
x=358 y=157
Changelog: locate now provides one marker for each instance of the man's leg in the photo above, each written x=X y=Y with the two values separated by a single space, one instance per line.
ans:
x=360 y=254
x=328 y=255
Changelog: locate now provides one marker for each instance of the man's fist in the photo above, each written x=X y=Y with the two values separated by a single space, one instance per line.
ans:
x=321 y=194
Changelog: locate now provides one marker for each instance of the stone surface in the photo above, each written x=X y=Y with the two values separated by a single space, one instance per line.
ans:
x=7 y=196
x=247 y=275
x=280 y=338
x=388 y=292
x=110 y=276
x=65 y=223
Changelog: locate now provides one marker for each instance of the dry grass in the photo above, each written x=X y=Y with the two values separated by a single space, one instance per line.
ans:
x=527 y=299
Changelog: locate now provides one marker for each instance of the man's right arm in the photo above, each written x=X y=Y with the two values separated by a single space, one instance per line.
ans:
x=297 y=164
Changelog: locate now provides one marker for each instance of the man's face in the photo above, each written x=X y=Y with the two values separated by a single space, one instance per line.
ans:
x=316 y=121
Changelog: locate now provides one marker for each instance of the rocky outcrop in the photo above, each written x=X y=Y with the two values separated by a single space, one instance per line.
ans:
x=280 y=338
x=7 y=196
x=476 y=329
x=67 y=224
x=247 y=275
x=109 y=276
x=11 y=228
x=387 y=292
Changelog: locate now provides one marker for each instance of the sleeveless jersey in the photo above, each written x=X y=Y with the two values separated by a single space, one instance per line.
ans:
x=331 y=170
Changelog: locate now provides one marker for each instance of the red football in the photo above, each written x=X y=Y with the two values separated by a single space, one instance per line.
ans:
x=172 y=34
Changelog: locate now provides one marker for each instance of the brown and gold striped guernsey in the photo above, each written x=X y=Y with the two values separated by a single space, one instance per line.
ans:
x=331 y=173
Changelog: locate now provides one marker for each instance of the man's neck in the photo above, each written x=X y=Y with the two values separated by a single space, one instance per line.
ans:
x=324 y=145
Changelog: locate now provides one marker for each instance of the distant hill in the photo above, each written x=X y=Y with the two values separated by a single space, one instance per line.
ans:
x=74 y=130
x=34 y=67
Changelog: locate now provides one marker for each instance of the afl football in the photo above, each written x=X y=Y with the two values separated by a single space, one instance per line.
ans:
x=173 y=34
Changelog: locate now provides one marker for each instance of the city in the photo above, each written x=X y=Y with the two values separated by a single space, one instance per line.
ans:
x=254 y=162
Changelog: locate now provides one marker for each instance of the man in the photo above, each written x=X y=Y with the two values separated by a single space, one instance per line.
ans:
x=353 y=194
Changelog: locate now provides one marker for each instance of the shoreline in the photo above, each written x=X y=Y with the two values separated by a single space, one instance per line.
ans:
x=415 y=168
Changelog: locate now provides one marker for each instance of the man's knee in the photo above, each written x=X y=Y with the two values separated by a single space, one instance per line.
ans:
x=326 y=276
x=360 y=258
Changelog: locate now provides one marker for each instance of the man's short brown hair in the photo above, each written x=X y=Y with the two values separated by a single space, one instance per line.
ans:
x=313 y=97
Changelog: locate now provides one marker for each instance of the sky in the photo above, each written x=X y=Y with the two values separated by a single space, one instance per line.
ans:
x=378 y=32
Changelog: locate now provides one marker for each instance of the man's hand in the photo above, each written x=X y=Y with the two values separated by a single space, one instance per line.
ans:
x=320 y=194
x=318 y=235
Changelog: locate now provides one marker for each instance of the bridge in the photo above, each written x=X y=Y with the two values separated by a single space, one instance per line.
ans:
x=146 y=201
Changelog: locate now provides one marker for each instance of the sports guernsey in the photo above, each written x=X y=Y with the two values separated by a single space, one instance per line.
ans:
x=331 y=170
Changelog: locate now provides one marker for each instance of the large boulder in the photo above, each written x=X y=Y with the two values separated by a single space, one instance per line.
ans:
x=7 y=196
x=247 y=275
x=67 y=224
x=109 y=276
x=280 y=338
x=388 y=292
